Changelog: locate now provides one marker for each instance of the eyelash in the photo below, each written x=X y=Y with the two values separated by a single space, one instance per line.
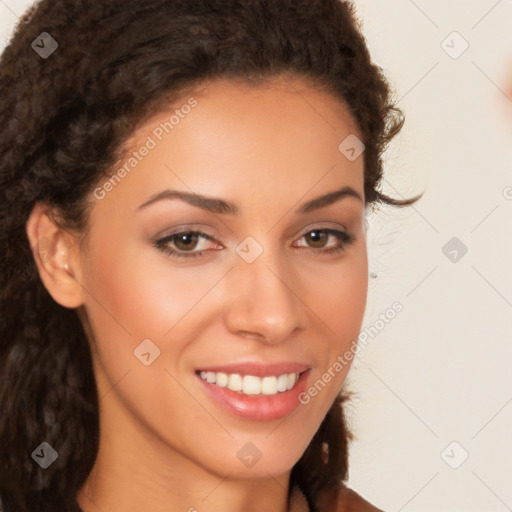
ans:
x=343 y=237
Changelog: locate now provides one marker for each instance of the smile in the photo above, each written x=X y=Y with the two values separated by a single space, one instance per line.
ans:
x=251 y=384
x=255 y=391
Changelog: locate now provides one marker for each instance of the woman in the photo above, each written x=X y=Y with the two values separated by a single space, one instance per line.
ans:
x=184 y=188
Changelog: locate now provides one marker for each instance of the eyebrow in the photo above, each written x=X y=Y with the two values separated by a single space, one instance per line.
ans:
x=220 y=206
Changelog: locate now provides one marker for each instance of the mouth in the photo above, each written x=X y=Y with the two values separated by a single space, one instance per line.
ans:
x=253 y=391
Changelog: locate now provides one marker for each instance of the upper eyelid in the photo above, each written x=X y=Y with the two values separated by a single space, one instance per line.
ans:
x=211 y=238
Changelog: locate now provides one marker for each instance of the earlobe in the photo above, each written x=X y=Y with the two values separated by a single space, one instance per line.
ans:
x=54 y=252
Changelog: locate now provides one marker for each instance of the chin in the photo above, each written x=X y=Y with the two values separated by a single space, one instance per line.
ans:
x=253 y=459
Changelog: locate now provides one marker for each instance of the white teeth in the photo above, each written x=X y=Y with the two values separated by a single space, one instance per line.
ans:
x=222 y=379
x=282 y=382
x=250 y=384
x=269 y=385
x=235 y=382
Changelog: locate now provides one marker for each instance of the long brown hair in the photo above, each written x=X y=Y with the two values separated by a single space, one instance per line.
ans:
x=64 y=116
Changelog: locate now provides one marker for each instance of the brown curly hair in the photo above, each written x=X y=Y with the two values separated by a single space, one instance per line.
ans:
x=64 y=119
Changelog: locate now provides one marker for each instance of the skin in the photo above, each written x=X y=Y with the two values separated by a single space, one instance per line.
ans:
x=165 y=445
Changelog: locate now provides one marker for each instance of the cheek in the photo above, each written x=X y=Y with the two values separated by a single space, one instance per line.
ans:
x=340 y=300
x=339 y=305
x=141 y=291
x=139 y=295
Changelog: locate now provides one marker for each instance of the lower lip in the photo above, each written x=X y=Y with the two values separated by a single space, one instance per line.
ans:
x=258 y=407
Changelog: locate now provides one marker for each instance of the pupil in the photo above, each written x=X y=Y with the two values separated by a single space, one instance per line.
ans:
x=188 y=240
x=317 y=236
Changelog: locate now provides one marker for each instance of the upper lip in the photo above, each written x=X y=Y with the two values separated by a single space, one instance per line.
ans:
x=257 y=369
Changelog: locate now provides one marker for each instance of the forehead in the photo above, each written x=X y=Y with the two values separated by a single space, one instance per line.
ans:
x=286 y=106
x=229 y=138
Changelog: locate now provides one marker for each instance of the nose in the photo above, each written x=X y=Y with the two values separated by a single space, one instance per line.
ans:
x=265 y=304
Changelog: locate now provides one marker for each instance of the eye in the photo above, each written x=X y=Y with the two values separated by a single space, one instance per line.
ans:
x=317 y=240
x=186 y=242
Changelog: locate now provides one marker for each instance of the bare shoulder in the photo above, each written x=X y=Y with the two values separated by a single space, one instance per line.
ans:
x=343 y=499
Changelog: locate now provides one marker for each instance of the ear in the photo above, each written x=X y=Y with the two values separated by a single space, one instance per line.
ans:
x=55 y=252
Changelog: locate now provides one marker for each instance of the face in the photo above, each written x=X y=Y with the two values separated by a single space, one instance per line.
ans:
x=218 y=288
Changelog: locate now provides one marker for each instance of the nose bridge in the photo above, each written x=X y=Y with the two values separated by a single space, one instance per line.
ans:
x=263 y=302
